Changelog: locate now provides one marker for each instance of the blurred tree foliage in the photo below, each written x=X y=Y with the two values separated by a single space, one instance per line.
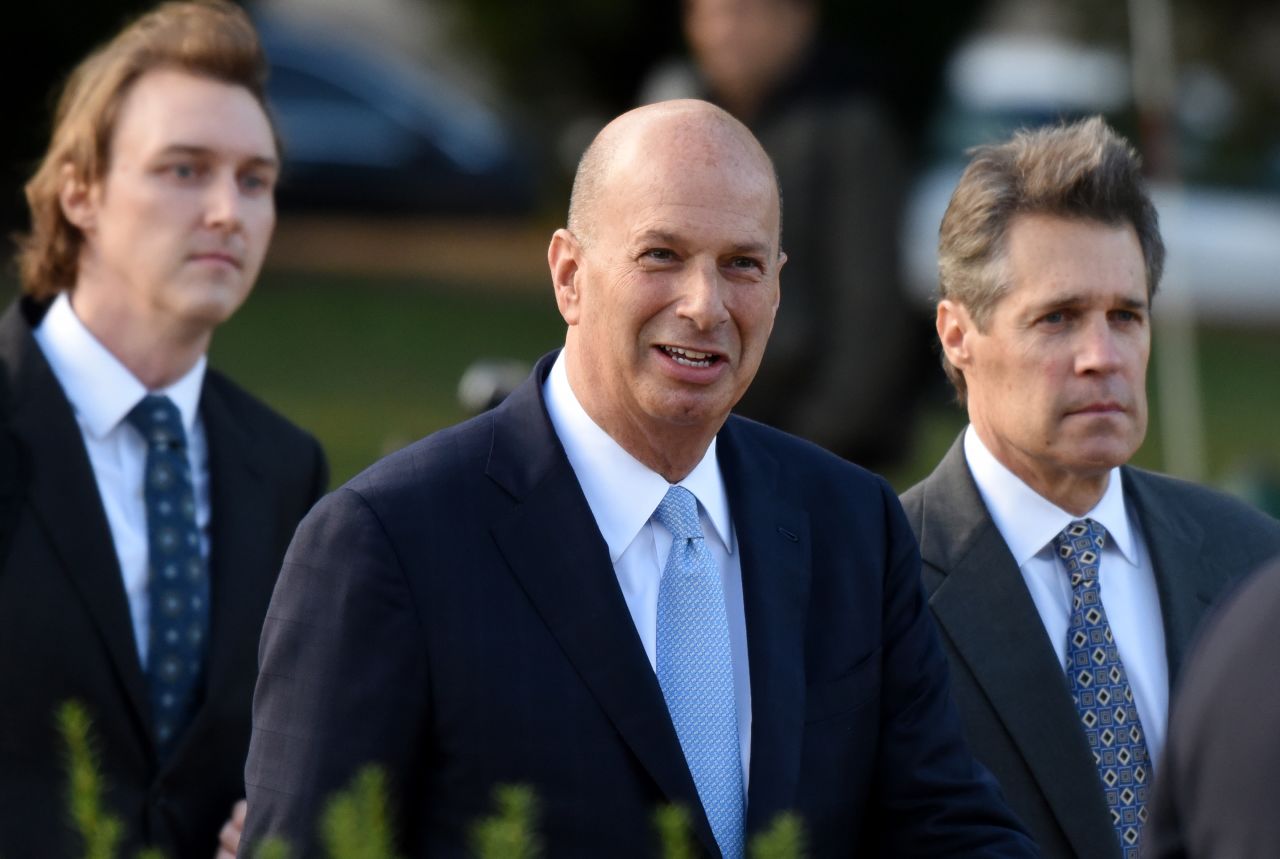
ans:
x=1227 y=55
x=511 y=833
x=99 y=830
x=356 y=823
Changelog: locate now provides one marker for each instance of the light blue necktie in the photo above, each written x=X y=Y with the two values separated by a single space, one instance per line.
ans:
x=1101 y=688
x=177 y=578
x=695 y=669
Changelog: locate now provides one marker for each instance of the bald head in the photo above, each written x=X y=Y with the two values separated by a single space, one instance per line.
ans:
x=668 y=278
x=669 y=131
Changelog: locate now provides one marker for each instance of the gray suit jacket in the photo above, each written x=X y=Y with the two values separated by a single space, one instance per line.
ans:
x=1012 y=693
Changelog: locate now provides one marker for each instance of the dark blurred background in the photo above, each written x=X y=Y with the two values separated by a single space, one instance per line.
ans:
x=430 y=143
x=546 y=69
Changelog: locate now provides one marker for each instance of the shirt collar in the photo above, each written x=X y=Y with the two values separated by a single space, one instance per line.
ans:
x=100 y=388
x=621 y=491
x=1027 y=520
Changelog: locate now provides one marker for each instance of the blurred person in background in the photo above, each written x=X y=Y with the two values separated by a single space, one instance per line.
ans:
x=146 y=500
x=844 y=367
x=1216 y=794
x=1067 y=584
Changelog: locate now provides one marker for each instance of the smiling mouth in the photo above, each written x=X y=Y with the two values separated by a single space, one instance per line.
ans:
x=690 y=357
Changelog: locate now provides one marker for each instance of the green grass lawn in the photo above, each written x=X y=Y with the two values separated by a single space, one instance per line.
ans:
x=369 y=365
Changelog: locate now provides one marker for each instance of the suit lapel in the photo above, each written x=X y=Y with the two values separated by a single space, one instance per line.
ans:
x=1175 y=542
x=772 y=533
x=984 y=607
x=555 y=550
x=64 y=495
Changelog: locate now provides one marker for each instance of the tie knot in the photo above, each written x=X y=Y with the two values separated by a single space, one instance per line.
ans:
x=159 y=421
x=678 y=513
x=1080 y=545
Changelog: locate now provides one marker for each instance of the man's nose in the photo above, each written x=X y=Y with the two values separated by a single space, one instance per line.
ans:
x=702 y=301
x=224 y=203
x=1100 y=350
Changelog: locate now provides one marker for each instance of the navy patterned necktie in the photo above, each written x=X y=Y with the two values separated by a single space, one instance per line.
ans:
x=1101 y=688
x=177 y=574
x=695 y=669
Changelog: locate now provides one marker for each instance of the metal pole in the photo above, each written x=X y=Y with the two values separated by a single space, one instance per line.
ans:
x=1173 y=319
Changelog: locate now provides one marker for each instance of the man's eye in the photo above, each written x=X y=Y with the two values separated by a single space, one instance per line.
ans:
x=1057 y=317
x=746 y=263
x=660 y=254
x=253 y=182
x=184 y=170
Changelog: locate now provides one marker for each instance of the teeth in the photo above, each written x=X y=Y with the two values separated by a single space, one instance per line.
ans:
x=689 y=357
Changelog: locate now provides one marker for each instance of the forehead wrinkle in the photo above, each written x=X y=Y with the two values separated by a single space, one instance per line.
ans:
x=1075 y=298
x=164 y=105
x=658 y=235
x=203 y=151
x=668 y=136
x=653 y=152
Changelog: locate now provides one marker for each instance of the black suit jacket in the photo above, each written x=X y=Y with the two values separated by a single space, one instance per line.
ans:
x=65 y=628
x=1012 y=693
x=1216 y=794
x=453 y=616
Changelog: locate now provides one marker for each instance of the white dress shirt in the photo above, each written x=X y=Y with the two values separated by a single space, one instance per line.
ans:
x=623 y=495
x=102 y=392
x=1126 y=582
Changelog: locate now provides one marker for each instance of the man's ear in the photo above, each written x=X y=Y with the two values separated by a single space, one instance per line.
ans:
x=564 y=258
x=777 y=276
x=78 y=199
x=955 y=327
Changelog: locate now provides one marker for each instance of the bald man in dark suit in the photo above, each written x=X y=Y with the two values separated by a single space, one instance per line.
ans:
x=612 y=590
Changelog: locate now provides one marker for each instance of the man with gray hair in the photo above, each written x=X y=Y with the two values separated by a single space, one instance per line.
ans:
x=1067 y=584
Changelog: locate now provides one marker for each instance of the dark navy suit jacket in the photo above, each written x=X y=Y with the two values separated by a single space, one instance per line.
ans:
x=453 y=616
x=65 y=627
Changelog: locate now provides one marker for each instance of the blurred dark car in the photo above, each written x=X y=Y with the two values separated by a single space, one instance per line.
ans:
x=367 y=132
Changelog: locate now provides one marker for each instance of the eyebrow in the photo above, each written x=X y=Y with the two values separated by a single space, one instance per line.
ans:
x=206 y=152
x=668 y=238
x=657 y=236
x=751 y=248
x=1075 y=300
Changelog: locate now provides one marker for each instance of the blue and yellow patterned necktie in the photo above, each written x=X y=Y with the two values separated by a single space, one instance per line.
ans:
x=1101 y=688
x=177 y=574
x=695 y=669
